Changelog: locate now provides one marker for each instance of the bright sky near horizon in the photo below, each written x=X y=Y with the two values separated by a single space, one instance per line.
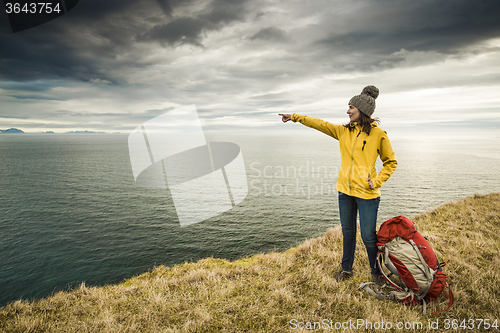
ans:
x=112 y=65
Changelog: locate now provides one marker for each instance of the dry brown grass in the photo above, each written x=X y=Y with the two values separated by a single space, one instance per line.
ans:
x=263 y=293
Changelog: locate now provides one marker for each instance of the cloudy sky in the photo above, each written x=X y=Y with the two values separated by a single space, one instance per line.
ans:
x=111 y=65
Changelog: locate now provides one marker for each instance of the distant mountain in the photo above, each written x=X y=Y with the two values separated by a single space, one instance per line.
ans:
x=11 y=130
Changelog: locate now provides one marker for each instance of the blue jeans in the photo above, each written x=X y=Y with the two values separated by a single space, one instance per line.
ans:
x=368 y=208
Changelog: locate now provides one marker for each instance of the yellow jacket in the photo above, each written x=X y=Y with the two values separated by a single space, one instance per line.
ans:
x=358 y=157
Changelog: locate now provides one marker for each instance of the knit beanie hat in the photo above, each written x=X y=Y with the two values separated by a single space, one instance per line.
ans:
x=366 y=101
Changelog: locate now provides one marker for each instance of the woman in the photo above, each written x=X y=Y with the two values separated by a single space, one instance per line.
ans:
x=361 y=142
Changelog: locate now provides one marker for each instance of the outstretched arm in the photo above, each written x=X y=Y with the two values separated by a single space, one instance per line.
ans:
x=316 y=123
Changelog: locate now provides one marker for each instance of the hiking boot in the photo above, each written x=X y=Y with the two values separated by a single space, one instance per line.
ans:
x=378 y=279
x=343 y=275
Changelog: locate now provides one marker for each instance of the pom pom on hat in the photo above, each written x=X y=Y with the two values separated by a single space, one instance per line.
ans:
x=365 y=102
x=370 y=91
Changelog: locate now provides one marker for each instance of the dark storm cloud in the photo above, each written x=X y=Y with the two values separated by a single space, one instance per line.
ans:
x=33 y=86
x=384 y=27
x=165 y=6
x=271 y=34
x=98 y=38
x=86 y=43
x=36 y=97
x=225 y=11
x=185 y=30
x=25 y=60
x=189 y=30
x=81 y=44
x=53 y=49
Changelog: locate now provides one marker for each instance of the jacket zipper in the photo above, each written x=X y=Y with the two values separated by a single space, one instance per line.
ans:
x=352 y=162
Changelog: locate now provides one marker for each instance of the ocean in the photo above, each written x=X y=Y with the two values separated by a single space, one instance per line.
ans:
x=70 y=211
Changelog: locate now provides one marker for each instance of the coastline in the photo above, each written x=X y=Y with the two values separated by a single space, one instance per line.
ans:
x=266 y=292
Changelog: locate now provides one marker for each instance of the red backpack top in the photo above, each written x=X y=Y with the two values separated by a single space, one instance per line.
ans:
x=407 y=254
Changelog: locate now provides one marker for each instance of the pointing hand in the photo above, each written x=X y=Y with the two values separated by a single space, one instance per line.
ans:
x=285 y=117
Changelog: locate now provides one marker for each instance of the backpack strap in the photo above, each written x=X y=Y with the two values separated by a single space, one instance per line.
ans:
x=450 y=297
x=429 y=275
x=388 y=263
x=379 y=294
x=394 y=295
x=380 y=259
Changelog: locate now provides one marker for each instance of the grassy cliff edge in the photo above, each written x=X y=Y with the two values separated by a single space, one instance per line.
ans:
x=280 y=292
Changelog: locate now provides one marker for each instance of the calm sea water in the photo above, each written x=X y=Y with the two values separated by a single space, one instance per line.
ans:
x=70 y=211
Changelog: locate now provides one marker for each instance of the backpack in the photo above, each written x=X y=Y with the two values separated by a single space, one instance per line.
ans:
x=408 y=255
